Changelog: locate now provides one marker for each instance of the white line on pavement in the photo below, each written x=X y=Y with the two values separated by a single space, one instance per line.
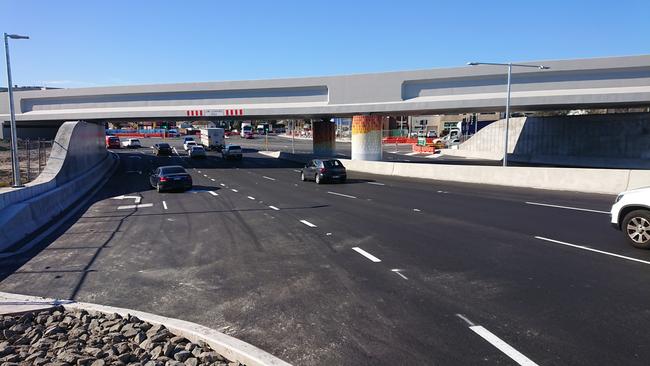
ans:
x=212 y=179
x=376 y=183
x=213 y=193
x=416 y=209
x=199 y=171
x=411 y=153
x=342 y=195
x=234 y=190
x=366 y=254
x=502 y=346
x=269 y=178
x=567 y=207
x=164 y=205
x=398 y=271
x=307 y=223
x=432 y=156
x=205 y=175
x=221 y=184
x=251 y=198
x=274 y=208
x=591 y=250
x=127 y=207
x=297 y=171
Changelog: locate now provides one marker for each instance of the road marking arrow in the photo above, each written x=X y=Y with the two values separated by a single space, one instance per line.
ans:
x=123 y=197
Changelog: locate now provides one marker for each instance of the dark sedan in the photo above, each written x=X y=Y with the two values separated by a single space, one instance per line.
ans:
x=324 y=170
x=168 y=178
x=162 y=148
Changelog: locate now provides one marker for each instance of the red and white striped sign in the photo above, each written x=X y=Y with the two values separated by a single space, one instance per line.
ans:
x=214 y=112
x=195 y=113
x=234 y=112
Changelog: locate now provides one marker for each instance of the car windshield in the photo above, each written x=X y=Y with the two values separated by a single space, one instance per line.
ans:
x=172 y=170
x=332 y=164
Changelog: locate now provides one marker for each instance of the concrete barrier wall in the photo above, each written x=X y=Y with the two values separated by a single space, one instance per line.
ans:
x=605 y=181
x=78 y=162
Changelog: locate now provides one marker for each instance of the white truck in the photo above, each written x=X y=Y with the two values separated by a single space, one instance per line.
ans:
x=213 y=138
x=246 y=127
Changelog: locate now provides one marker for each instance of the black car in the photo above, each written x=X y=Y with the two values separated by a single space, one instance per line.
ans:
x=162 y=148
x=324 y=170
x=172 y=177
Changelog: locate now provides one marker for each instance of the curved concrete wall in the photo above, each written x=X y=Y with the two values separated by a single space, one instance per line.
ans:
x=78 y=161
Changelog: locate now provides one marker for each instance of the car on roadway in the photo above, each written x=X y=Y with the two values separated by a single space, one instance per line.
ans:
x=197 y=152
x=188 y=145
x=171 y=177
x=630 y=214
x=187 y=138
x=131 y=143
x=324 y=170
x=112 y=142
x=162 y=148
x=231 y=152
x=248 y=135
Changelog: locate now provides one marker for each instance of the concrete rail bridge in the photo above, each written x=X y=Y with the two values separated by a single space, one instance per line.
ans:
x=567 y=84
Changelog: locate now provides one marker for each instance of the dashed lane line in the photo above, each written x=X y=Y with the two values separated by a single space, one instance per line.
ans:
x=251 y=198
x=274 y=208
x=269 y=178
x=502 y=346
x=592 y=250
x=164 y=205
x=399 y=272
x=366 y=254
x=416 y=209
x=307 y=223
x=127 y=207
x=376 y=183
x=221 y=184
x=341 y=194
x=234 y=190
x=212 y=179
x=567 y=207
x=213 y=193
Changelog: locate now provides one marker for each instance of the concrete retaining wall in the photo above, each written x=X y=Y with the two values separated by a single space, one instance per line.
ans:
x=605 y=181
x=77 y=163
x=604 y=141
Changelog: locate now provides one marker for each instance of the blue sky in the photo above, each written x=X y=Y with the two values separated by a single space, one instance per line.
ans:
x=114 y=42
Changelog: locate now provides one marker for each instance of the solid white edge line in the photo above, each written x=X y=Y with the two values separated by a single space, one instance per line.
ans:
x=269 y=178
x=502 y=346
x=341 y=194
x=274 y=208
x=592 y=250
x=164 y=205
x=251 y=198
x=366 y=254
x=213 y=193
x=567 y=207
x=307 y=223
x=134 y=206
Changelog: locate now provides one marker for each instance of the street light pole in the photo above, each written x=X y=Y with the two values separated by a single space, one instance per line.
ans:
x=14 y=140
x=509 y=65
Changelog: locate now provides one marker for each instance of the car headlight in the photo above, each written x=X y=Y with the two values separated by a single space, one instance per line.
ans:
x=619 y=197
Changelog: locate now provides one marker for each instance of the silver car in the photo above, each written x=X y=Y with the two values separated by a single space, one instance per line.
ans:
x=231 y=152
x=196 y=152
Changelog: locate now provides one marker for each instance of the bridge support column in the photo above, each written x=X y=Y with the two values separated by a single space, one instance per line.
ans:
x=324 y=137
x=366 y=138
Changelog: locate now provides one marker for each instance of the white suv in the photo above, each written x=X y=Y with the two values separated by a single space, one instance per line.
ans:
x=631 y=214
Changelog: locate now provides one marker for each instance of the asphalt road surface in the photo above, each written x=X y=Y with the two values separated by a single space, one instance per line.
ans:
x=377 y=271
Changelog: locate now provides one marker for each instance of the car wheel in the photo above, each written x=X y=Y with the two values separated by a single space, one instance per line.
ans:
x=317 y=179
x=636 y=226
x=302 y=176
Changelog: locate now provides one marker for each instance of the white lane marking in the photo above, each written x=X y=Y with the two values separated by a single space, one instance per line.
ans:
x=376 y=183
x=199 y=171
x=433 y=156
x=444 y=192
x=127 y=207
x=307 y=223
x=411 y=153
x=502 y=346
x=416 y=209
x=205 y=175
x=567 y=207
x=274 y=208
x=221 y=184
x=212 y=179
x=269 y=178
x=592 y=250
x=328 y=234
x=234 y=190
x=123 y=197
x=251 y=198
x=342 y=195
x=366 y=254
x=297 y=171
x=398 y=271
x=164 y=205
x=469 y=322
x=213 y=193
